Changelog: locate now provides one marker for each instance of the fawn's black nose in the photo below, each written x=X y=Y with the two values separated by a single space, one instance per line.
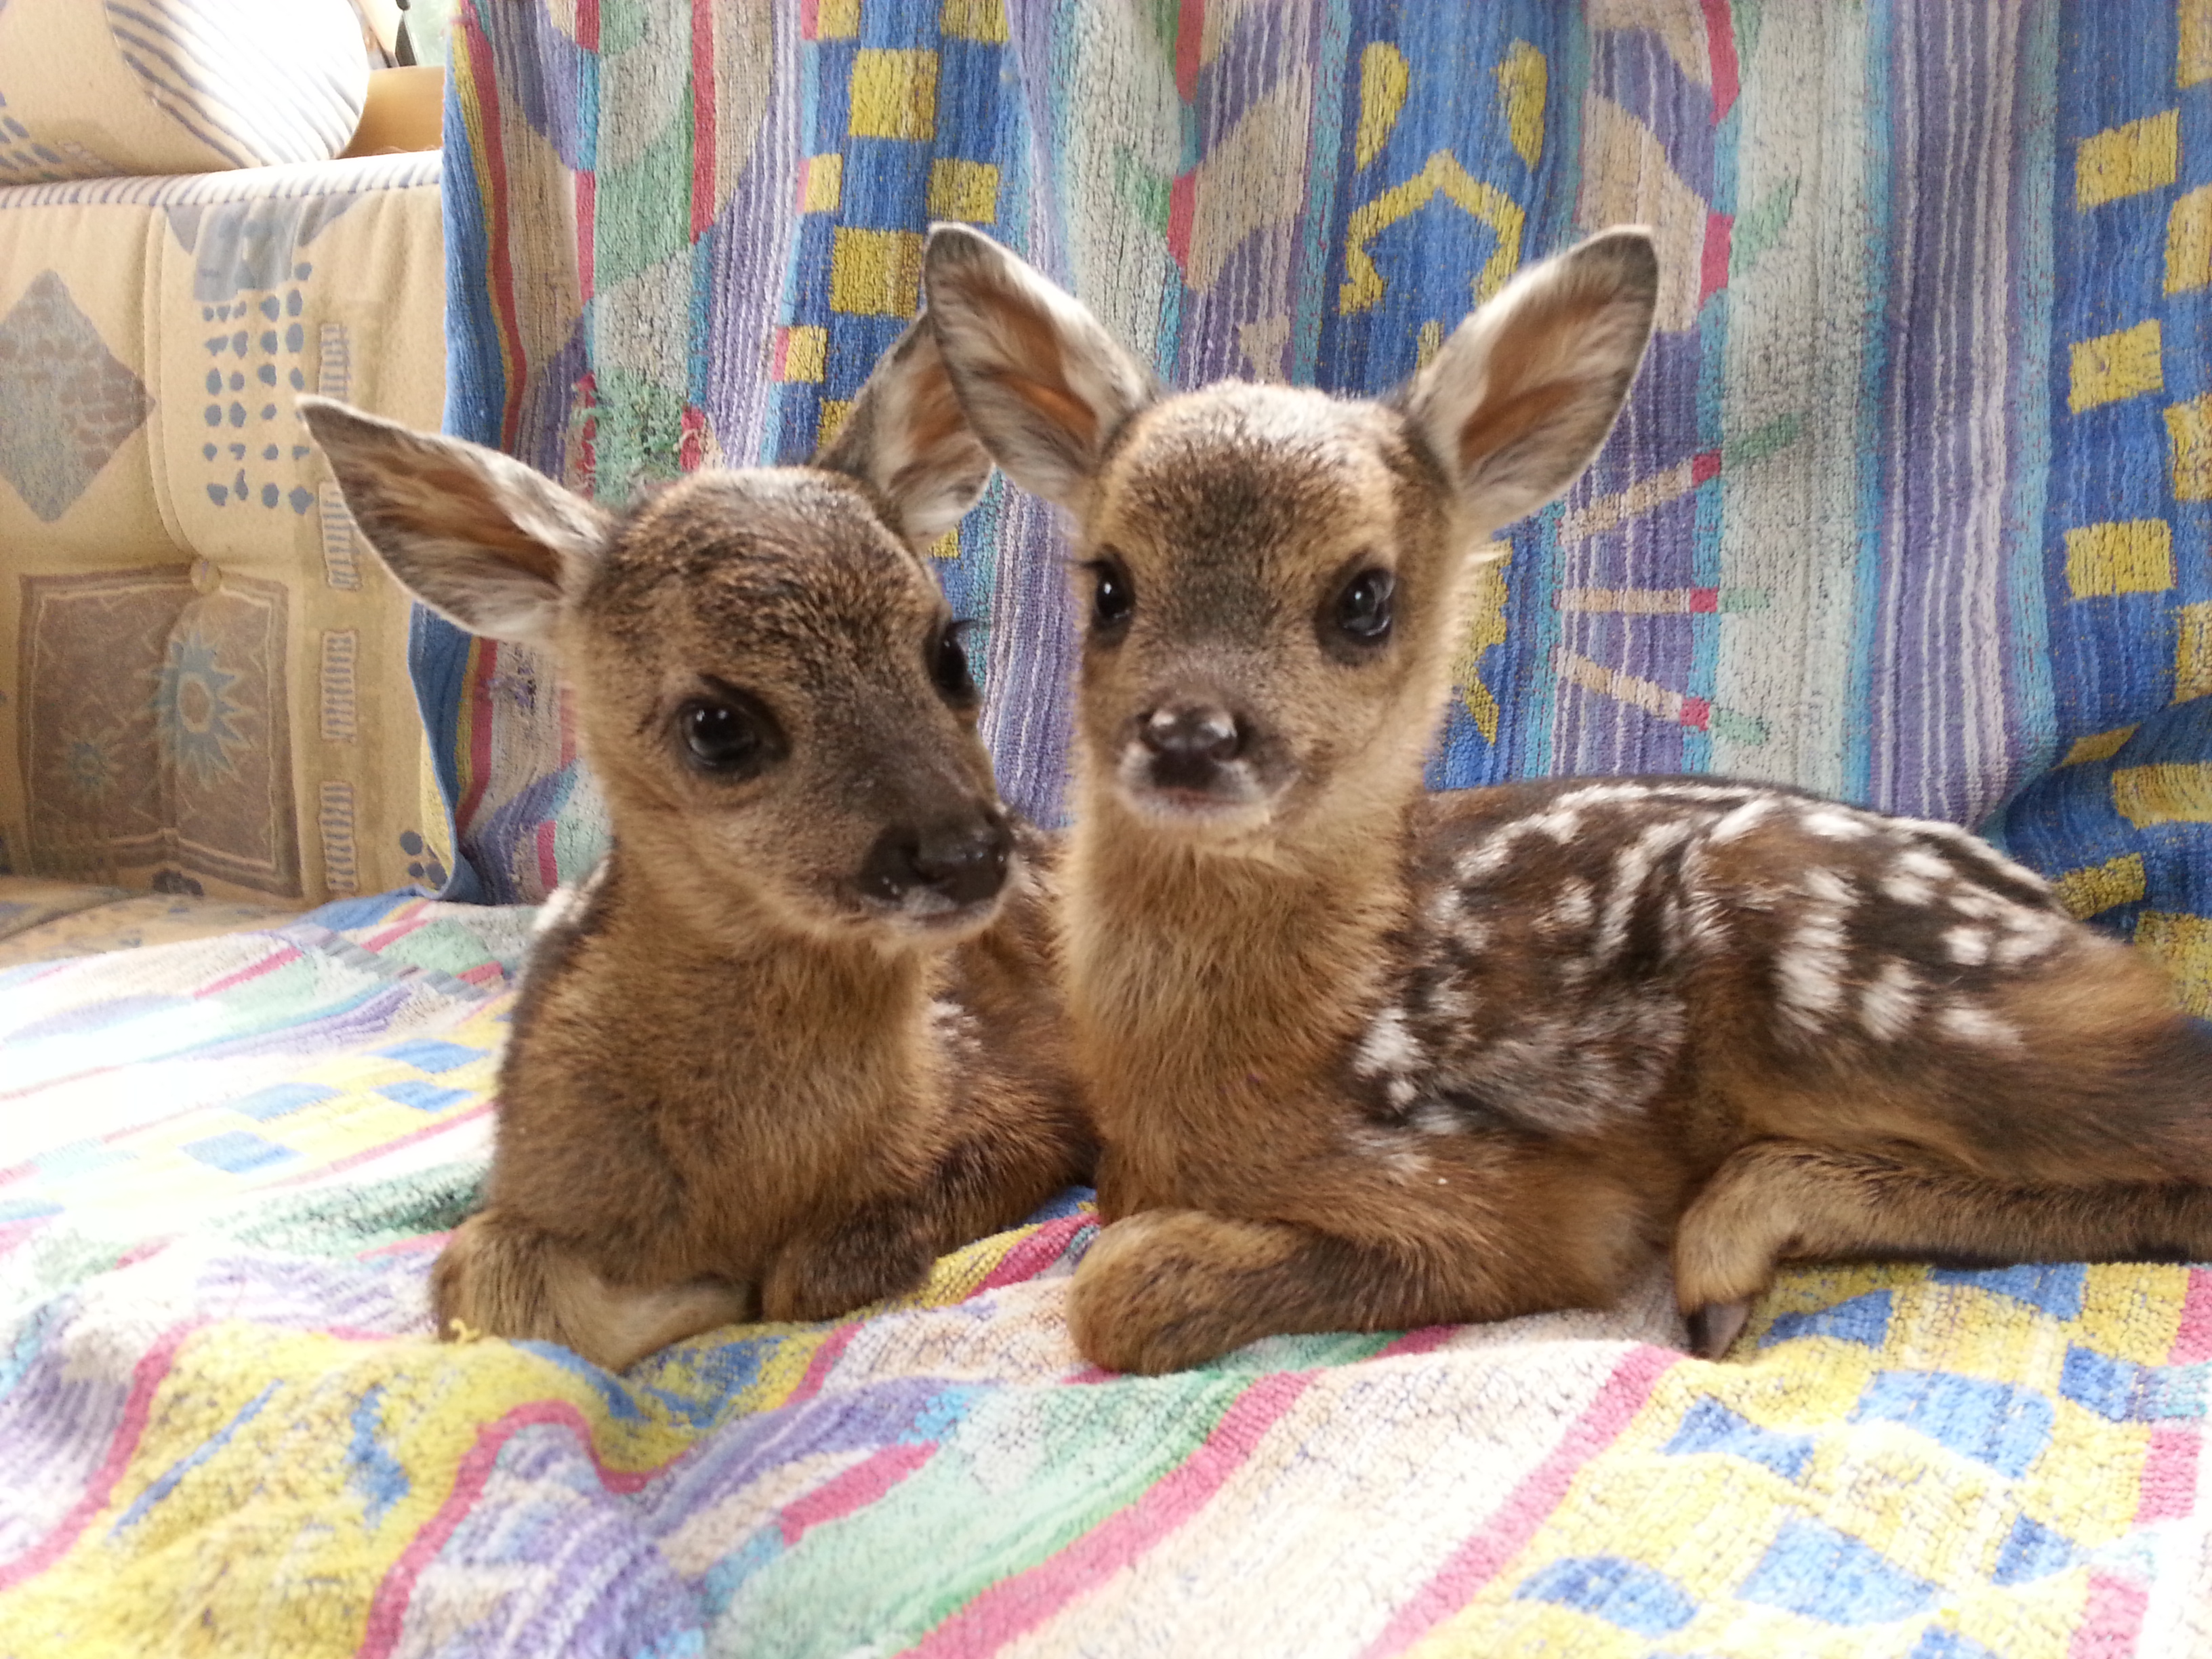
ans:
x=962 y=861
x=1192 y=733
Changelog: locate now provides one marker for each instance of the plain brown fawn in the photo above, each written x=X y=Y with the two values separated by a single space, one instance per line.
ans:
x=1363 y=1057
x=797 y=1033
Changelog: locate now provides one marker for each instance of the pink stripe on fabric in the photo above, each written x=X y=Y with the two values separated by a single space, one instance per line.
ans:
x=384 y=1148
x=1426 y=1340
x=1033 y=1255
x=421 y=1244
x=855 y=1489
x=387 y=1611
x=267 y=964
x=2192 y=1341
x=1480 y=1559
x=146 y=1379
x=145 y=1249
x=824 y=1361
x=2169 y=1476
x=408 y=919
x=1713 y=265
x=1720 y=51
x=704 y=117
x=1013 y=1606
x=2110 y=1620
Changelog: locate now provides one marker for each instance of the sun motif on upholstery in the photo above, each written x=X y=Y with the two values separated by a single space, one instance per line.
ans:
x=194 y=711
x=89 y=764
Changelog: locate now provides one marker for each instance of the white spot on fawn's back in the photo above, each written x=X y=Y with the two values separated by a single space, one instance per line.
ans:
x=1969 y=946
x=1889 y=1002
x=1974 y=1025
x=1388 y=1048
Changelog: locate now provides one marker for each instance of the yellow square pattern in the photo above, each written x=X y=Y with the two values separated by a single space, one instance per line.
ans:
x=876 y=273
x=2126 y=160
x=2189 y=431
x=2192 y=652
x=2133 y=557
x=894 y=94
x=2193 y=55
x=2172 y=792
x=963 y=190
x=2099 y=746
x=825 y=185
x=2188 y=241
x=2125 y=364
x=836 y=19
x=2183 y=944
x=805 y=352
x=2102 y=886
x=975 y=20
x=834 y=411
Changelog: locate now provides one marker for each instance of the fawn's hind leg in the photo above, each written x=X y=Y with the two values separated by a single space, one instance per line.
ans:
x=1775 y=1201
x=1166 y=1288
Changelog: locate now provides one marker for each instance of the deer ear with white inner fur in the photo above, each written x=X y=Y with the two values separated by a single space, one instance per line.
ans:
x=1521 y=396
x=1044 y=385
x=906 y=439
x=483 y=540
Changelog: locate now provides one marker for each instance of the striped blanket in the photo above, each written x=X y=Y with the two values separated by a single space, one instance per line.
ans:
x=224 y=1427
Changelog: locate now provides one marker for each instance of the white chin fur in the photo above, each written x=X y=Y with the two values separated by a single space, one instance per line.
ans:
x=1209 y=814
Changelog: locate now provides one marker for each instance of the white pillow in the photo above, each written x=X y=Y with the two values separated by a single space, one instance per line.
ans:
x=94 y=87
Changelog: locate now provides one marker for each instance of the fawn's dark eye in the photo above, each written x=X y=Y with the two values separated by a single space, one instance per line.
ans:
x=1363 y=608
x=948 y=663
x=1113 y=597
x=729 y=735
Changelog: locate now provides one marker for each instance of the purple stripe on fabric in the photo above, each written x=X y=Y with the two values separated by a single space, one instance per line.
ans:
x=1937 y=710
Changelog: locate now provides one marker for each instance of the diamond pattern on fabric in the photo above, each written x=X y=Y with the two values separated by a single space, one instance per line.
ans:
x=70 y=404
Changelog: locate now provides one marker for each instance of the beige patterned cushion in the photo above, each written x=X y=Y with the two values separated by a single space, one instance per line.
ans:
x=96 y=89
x=204 y=683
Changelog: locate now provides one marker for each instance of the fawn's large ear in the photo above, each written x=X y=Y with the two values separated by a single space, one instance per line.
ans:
x=1522 y=395
x=1045 y=387
x=479 y=538
x=906 y=438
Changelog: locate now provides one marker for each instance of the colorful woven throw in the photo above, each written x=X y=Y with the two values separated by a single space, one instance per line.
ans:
x=224 y=1427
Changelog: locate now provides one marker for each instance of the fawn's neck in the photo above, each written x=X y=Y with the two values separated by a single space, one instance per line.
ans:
x=798 y=1030
x=1212 y=991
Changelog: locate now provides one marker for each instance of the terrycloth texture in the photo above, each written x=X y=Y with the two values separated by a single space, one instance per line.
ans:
x=46 y=920
x=225 y=1167
x=91 y=88
x=1909 y=504
x=204 y=677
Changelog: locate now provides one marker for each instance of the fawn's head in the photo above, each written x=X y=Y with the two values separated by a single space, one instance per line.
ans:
x=1276 y=579
x=768 y=681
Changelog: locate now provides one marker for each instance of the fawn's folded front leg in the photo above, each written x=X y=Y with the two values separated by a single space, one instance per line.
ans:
x=501 y=1276
x=1167 y=1289
x=1775 y=1201
x=882 y=1249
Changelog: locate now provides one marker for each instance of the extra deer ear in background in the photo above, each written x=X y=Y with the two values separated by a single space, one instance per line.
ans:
x=479 y=538
x=1522 y=395
x=1045 y=387
x=907 y=439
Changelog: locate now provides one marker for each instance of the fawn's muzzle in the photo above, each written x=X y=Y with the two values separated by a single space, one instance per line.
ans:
x=943 y=865
x=1189 y=743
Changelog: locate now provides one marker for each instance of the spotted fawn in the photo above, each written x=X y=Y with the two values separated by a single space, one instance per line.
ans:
x=796 y=1034
x=1366 y=1057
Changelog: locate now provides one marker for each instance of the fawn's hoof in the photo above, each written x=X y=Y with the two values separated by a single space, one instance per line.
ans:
x=1714 y=1326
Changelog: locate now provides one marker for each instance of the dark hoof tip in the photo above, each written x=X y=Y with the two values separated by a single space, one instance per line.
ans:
x=1715 y=1326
